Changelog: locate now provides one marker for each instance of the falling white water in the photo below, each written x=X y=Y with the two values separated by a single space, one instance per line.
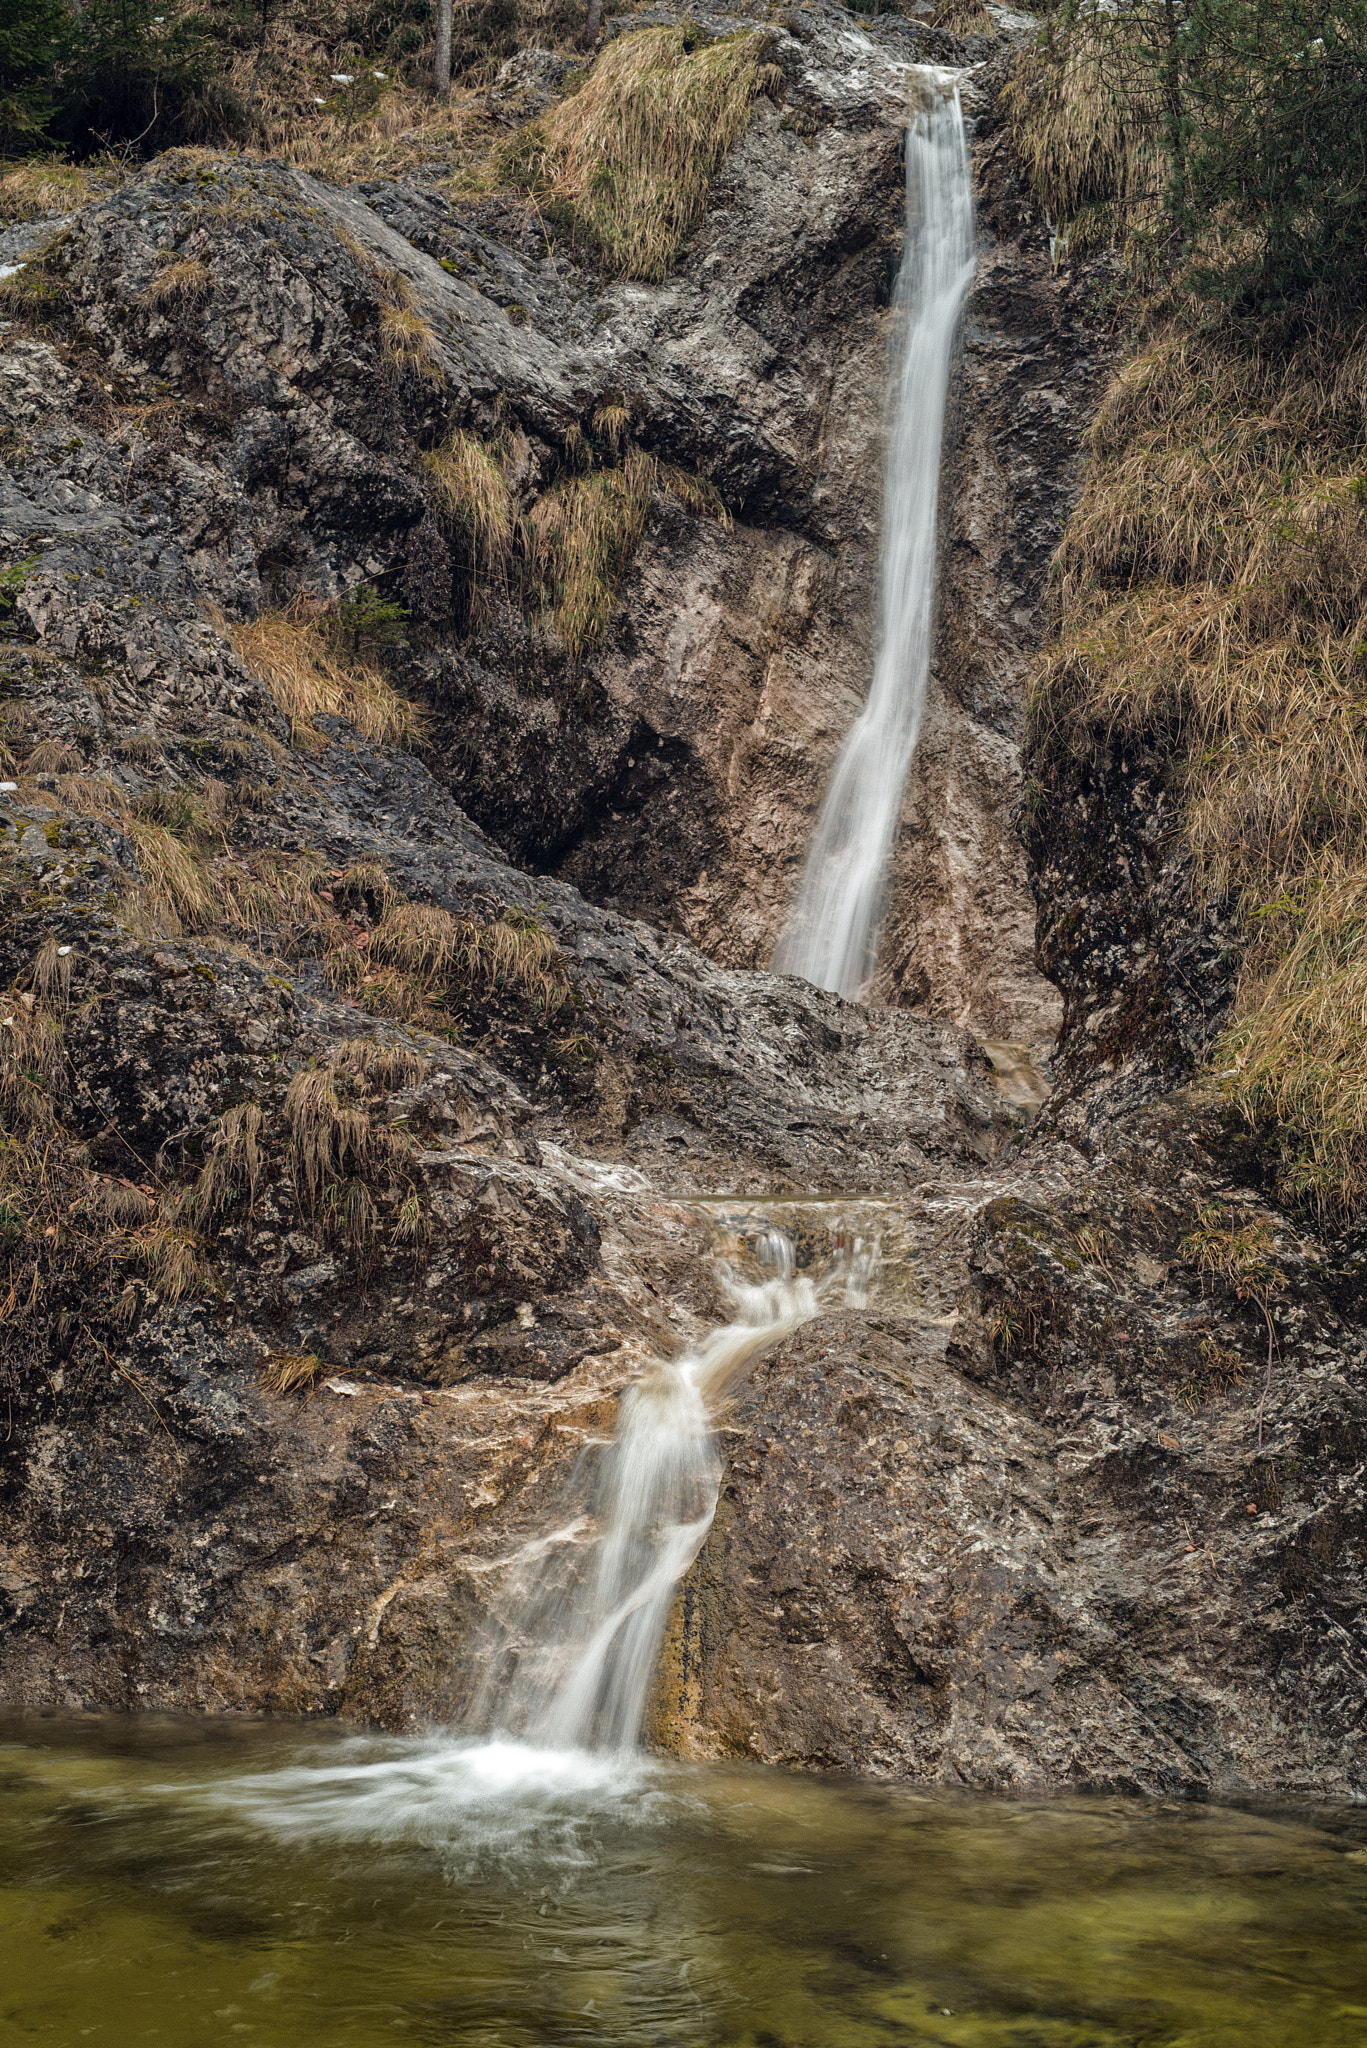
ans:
x=582 y=1632
x=551 y=1741
x=832 y=934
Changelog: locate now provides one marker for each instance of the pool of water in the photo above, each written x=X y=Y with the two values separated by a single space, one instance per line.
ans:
x=211 y=1882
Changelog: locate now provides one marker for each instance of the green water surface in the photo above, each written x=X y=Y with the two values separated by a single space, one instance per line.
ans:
x=190 y=1883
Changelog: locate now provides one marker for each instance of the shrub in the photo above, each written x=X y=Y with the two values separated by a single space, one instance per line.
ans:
x=1229 y=136
x=143 y=71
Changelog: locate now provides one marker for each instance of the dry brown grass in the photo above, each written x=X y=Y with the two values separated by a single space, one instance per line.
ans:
x=233 y=1162
x=39 y=185
x=142 y=748
x=1298 y=1048
x=578 y=537
x=635 y=149
x=701 y=498
x=341 y=1151
x=79 y=1250
x=178 y=893
x=172 y=1261
x=409 y=130
x=92 y=796
x=408 y=344
x=472 y=493
x=289 y=650
x=1086 y=124
x=286 y=1372
x=582 y=535
x=963 y=18
x=331 y=1136
x=37 y=296
x=439 y=958
x=180 y=282
x=53 y=757
x=1212 y=596
x=32 y=1059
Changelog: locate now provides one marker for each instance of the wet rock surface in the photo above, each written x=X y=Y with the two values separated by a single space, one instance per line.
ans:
x=989 y=1531
x=1094 y=1518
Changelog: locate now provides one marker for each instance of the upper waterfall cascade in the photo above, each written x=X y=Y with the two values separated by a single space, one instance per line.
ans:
x=832 y=934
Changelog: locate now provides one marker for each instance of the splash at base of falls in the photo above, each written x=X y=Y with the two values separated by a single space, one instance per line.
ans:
x=552 y=1739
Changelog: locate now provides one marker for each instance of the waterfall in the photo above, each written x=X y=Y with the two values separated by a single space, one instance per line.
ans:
x=551 y=1739
x=585 y=1608
x=832 y=934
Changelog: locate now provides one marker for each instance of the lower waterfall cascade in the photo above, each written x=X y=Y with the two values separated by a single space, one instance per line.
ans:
x=831 y=938
x=579 y=1628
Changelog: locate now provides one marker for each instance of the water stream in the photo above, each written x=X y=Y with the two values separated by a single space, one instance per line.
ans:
x=201 y=1883
x=832 y=934
x=577 y=1624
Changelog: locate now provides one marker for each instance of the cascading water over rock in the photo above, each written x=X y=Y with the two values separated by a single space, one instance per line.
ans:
x=578 y=1649
x=832 y=934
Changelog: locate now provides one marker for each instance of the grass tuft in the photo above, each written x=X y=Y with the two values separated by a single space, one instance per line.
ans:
x=289 y=649
x=1086 y=123
x=287 y=1372
x=635 y=149
x=178 y=892
x=232 y=1170
x=473 y=496
x=42 y=185
x=582 y=535
x=53 y=757
x=184 y=282
x=407 y=342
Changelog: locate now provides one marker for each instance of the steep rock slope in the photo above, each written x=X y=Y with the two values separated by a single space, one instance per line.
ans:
x=1095 y=1516
x=299 y=1067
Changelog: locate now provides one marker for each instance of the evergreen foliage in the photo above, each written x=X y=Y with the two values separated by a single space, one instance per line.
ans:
x=1273 y=147
x=146 y=72
x=33 y=36
x=1221 y=140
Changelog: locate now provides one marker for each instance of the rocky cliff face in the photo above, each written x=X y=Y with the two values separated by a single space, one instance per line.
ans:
x=1095 y=1521
x=398 y=1071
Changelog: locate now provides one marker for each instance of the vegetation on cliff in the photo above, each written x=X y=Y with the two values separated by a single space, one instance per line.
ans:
x=634 y=150
x=1228 y=137
x=1211 y=589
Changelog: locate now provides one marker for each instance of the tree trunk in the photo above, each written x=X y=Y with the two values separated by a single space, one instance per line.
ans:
x=441 y=63
x=256 y=68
